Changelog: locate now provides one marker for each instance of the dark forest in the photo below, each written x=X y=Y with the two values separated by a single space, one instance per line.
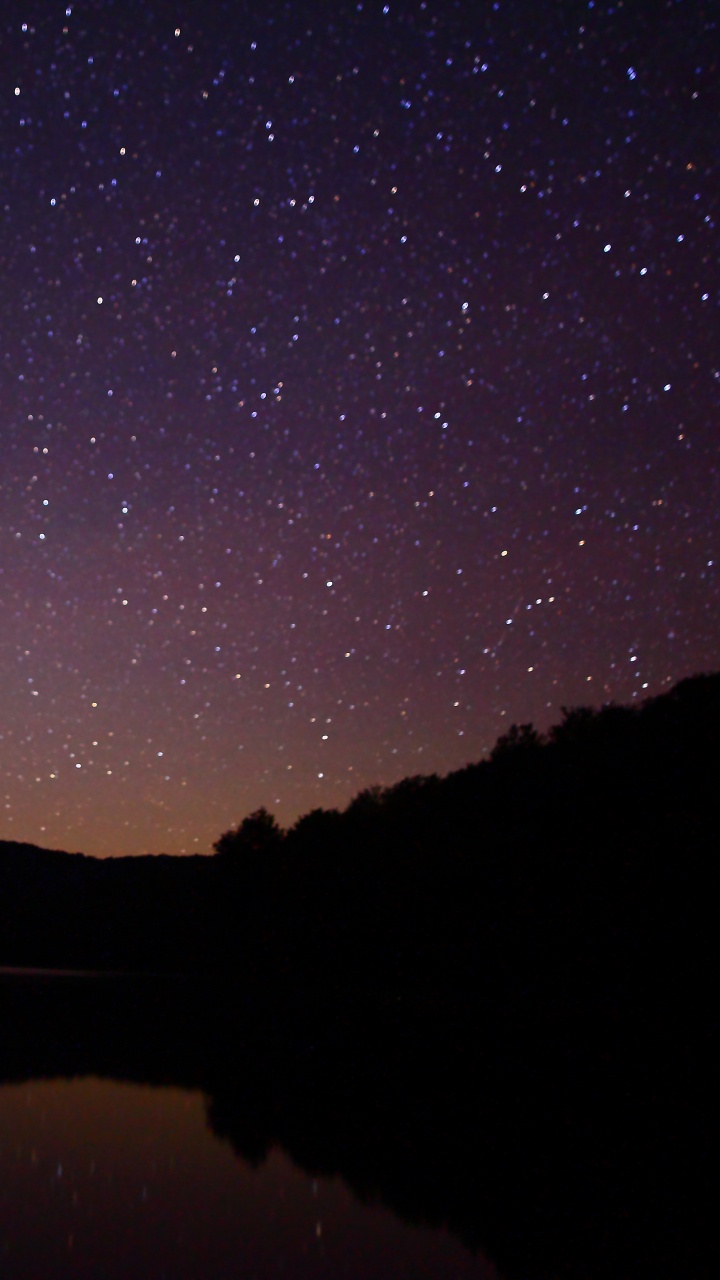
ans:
x=508 y=967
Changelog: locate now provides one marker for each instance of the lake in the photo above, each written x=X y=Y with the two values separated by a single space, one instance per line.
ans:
x=100 y=1178
x=181 y=1128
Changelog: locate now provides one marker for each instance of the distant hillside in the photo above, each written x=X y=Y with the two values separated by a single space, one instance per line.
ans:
x=596 y=820
x=486 y=999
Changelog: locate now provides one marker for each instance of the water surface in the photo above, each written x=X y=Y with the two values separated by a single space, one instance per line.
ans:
x=112 y=1180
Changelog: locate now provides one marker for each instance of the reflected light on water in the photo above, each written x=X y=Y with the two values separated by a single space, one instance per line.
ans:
x=100 y=1178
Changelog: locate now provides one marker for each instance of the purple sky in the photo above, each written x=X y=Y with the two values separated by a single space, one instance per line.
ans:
x=359 y=385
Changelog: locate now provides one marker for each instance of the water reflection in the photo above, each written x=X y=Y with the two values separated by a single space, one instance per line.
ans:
x=101 y=1178
x=543 y=1144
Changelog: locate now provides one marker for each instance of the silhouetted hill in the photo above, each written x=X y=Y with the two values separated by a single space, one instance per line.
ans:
x=513 y=962
x=555 y=846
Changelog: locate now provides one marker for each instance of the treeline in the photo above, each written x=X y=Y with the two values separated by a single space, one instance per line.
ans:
x=569 y=857
x=487 y=999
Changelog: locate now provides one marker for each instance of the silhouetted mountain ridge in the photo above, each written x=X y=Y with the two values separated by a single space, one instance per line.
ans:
x=595 y=821
x=486 y=999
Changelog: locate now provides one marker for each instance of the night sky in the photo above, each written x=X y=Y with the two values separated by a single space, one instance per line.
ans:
x=359 y=388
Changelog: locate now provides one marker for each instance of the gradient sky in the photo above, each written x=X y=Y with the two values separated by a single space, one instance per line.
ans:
x=359 y=385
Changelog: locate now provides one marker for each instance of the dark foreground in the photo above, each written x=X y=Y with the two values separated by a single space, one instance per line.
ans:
x=487 y=1000
x=554 y=1150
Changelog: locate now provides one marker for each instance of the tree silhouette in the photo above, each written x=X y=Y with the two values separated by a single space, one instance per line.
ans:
x=258 y=833
x=519 y=737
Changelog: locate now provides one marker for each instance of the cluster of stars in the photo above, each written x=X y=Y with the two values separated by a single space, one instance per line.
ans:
x=358 y=396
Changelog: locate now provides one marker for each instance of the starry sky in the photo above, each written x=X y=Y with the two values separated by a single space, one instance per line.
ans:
x=359 y=385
